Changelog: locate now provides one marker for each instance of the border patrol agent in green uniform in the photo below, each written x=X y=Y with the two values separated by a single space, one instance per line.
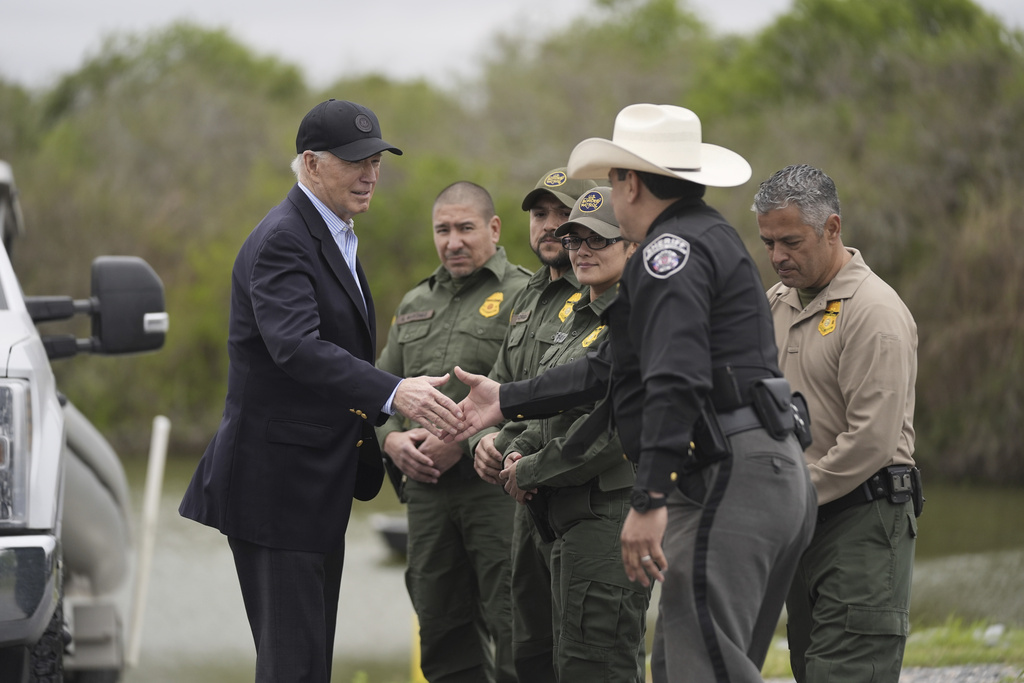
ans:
x=537 y=314
x=599 y=616
x=460 y=528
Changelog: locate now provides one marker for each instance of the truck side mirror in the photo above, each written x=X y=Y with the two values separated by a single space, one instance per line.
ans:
x=129 y=316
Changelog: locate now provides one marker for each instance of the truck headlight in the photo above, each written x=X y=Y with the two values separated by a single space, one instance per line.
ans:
x=15 y=450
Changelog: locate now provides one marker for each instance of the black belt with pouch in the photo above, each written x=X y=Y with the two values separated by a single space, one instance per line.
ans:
x=773 y=407
x=897 y=483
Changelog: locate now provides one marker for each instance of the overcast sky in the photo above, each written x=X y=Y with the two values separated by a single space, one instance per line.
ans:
x=41 y=40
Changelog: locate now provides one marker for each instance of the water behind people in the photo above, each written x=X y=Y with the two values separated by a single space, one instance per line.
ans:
x=970 y=563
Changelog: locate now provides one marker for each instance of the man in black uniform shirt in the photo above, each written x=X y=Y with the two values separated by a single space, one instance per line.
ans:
x=723 y=505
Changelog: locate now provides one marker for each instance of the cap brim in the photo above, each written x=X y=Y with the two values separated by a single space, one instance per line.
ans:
x=363 y=149
x=606 y=230
x=531 y=198
x=720 y=167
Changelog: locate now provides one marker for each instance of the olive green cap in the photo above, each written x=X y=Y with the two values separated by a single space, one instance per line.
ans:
x=593 y=210
x=558 y=184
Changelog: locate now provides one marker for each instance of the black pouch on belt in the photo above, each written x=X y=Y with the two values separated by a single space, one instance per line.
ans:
x=773 y=402
x=802 y=420
x=918 y=493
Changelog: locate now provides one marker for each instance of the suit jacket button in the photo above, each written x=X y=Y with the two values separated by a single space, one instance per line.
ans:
x=359 y=443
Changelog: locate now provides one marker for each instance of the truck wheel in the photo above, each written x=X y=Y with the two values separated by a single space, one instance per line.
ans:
x=47 y=655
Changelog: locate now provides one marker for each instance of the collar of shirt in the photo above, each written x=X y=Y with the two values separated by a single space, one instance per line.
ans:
x=344 y=235
x=334 y=224
x=843 y=285
x=495 y=266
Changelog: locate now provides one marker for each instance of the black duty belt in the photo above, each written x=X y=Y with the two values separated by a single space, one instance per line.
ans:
x=730 y=386
x=739 y=420
x=896 y=483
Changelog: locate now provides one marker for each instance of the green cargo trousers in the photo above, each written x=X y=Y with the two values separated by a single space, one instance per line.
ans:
x=532 y=640
x=458 y=577
x=849 y=605
x=600 y=615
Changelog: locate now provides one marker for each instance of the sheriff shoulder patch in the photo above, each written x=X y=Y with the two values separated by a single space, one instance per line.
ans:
x=666 y=256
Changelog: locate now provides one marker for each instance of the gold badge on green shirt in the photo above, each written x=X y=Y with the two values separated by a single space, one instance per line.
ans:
x=828 y=321
x=492 y=305
x=592 y=337
x=567 y=308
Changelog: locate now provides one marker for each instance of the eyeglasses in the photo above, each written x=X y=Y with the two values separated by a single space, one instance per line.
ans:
x=595 y=242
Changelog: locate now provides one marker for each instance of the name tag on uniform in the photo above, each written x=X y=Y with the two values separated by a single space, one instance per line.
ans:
x=521 y=317
x=415 y=316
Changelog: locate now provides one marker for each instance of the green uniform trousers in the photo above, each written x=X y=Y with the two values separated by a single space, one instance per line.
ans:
x=849 y=605
x=600 y=616
x=532 y=638
x=460 y=532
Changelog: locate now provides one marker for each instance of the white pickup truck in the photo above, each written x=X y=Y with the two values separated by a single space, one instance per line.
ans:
x=66 y=561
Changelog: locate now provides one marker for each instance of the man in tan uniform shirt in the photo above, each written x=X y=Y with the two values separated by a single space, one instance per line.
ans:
x=849 y=345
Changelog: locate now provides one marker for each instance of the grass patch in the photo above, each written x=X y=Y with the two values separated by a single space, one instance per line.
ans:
x=954 y=643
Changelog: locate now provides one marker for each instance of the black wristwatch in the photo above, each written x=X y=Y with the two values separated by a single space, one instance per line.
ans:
x=641 y=501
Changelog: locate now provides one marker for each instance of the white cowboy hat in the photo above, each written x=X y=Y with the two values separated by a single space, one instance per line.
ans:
x=662 y=139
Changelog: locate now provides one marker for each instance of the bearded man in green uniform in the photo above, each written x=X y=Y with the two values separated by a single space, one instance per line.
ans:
x=537 y=313
x=460 y=528
x=599 y=616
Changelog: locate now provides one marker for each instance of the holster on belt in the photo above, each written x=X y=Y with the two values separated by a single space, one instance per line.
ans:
x=538 y=508
x=710 y=443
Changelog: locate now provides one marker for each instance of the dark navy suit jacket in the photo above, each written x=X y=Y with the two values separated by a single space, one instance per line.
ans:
x=303 y=392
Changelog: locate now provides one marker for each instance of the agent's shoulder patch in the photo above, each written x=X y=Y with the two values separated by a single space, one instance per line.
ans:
x=666 y=256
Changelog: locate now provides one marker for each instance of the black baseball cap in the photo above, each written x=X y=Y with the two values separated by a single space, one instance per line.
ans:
x=347 y=130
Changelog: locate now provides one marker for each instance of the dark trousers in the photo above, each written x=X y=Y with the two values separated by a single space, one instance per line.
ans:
x=532 y=638
x=291 y=599
x=736 y=531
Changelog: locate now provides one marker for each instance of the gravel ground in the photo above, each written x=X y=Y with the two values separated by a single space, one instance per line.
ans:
x=985 y=673
x=982 y=673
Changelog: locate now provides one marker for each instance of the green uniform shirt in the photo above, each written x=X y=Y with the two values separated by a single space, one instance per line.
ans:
x=538 y=312
x=541 y=440
x=443 y=322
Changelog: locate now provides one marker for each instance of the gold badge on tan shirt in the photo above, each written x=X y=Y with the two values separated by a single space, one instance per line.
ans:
x=592 y=336
x=492 y=305
x=828 y=321
x=567 y=308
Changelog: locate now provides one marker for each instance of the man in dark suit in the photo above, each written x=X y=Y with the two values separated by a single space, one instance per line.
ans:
x=296 y=442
